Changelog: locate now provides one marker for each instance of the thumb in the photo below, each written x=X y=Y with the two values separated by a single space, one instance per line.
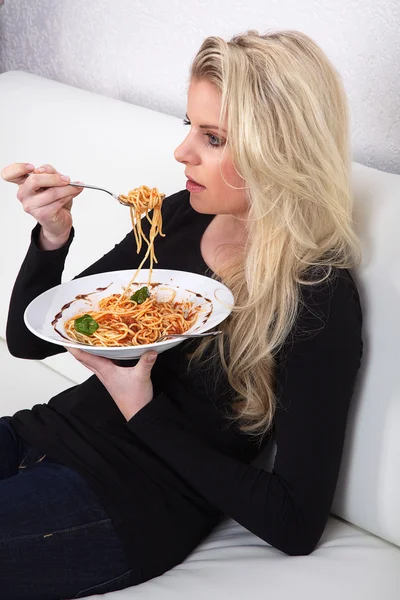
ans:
x=146 y=363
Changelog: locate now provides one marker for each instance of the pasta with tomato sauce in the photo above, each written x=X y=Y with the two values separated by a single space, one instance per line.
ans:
x=128 y=319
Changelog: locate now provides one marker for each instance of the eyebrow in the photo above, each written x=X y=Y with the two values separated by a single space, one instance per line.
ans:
x=209 y=126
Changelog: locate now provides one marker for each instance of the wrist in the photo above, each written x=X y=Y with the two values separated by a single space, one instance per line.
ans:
x=49 y=242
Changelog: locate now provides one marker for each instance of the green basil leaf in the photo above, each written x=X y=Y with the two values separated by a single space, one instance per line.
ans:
x=86 y=325
x=140 y=295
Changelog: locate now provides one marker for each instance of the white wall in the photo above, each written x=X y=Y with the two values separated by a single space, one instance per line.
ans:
x=140 y=51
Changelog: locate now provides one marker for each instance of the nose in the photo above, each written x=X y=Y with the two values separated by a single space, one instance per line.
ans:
x=186 y=152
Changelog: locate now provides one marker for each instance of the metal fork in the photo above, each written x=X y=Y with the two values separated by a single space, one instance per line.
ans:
x=94 y=187
x=186 y=335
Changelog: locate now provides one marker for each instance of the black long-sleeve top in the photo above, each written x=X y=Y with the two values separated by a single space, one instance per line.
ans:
x=178 y=466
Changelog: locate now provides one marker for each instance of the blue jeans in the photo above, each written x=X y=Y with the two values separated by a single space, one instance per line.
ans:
x=56 y=541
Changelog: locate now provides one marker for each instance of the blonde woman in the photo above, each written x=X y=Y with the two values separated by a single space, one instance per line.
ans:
x=117 y=480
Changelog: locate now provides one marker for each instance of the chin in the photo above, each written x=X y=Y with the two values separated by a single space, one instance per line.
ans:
x=198 y=206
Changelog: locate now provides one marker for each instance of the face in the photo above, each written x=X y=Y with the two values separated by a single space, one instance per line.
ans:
x=207 y=157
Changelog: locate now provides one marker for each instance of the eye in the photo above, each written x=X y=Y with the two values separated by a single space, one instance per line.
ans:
x=214 y=141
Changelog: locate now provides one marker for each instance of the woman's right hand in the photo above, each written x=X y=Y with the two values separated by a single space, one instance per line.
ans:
x=45 y=194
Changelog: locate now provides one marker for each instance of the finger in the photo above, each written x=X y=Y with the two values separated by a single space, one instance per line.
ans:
x=17 y=172
x=46 y=198
x=45 y=195
x=46 y=169
x=50 y=212
x=69 y=203
x=145 y=364
x=44 y=180
x=97 y=364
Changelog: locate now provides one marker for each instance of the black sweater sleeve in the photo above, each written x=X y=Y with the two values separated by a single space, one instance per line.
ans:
x=289 y=507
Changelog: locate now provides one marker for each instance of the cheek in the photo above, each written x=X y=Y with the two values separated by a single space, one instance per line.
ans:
x=235 y=198
x=230 y=174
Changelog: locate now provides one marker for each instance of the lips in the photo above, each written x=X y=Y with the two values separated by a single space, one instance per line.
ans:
x=194 y=181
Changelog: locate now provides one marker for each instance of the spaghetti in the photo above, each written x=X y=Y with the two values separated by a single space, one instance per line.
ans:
x=124 y=320
x=127 y=323
x=142 y=200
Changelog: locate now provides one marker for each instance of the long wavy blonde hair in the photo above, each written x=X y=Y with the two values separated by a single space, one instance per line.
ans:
x=287 y=129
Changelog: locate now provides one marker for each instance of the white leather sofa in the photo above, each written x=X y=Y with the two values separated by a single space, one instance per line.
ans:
x=118 y=146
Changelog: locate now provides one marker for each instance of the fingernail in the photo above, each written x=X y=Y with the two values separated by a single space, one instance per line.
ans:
x=151 y=357
x=65 y=178
x=41 y=170
x=30 y=167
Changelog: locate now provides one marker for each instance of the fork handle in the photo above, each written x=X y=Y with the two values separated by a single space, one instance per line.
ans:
x=86 y=185
x=91 y=187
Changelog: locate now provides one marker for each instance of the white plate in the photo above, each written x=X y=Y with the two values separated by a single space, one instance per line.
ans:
x=215 y=300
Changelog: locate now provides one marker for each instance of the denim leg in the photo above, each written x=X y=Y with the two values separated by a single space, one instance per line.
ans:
x=56 y=540
x=12 y=449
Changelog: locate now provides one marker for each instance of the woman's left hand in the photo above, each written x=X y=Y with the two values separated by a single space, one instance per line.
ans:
x=130 y=387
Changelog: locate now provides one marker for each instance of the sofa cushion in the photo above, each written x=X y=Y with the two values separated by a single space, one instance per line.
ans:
x=232 y=563
x=119 y=146
x=348 y=562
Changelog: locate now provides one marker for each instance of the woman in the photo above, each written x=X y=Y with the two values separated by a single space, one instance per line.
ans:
x=118 y=479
